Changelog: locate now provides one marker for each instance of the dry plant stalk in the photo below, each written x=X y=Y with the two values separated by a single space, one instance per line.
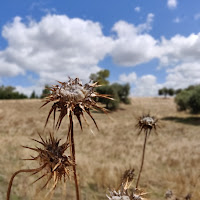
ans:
x=73 y=98
x=53 y=163
x=145 y=123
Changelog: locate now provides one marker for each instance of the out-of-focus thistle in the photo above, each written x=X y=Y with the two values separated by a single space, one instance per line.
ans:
x=54 y=164
x=73 y=98
x=135 y=195
x=124 y=192
x=146 y=123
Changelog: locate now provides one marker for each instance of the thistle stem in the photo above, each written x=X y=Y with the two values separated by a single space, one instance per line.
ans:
x=15 y=174
x=143 y=154
x=73 y=156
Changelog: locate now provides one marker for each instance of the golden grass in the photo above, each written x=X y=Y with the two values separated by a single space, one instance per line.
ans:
x=171 y=162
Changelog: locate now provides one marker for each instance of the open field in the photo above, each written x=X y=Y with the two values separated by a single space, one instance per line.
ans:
x=172 y=157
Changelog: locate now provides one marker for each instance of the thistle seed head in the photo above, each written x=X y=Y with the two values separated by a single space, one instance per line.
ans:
x=118 y=196
x=73 y=97
x=51 y=156
x=146 y=123
x=136 y=195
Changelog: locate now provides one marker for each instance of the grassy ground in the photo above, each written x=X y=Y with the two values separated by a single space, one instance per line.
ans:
x=171 y=162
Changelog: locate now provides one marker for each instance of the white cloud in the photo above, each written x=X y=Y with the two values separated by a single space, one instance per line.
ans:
x=197 y=16
x=28 y=90
x=180 y=49
x=53 y=48
x=172 y=4
x=58 y=46
x=183 y=75
x=146 y=86
x=130 y=78
x=141 y=86
x=177 y=20
x=132 y=46
x=137 y=9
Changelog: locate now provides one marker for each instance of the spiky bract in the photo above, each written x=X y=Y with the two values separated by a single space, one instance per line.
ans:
x=127 y=178
x=73 y=97
x=56 y=164
x=147 y=123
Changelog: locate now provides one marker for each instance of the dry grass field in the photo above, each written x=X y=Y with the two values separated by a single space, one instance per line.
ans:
x=172 y=157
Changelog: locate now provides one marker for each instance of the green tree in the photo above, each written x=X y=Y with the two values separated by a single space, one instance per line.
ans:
x=122 y=92
x=171 y=91
x=45 y=92
x=189 y=99
x=117 y=91
x=166 y=91
x=8 y=92
x=160 y=92
x=178 y=91
x=101 y=77
x=109 y=90
x=194 y=101
x=33 y=95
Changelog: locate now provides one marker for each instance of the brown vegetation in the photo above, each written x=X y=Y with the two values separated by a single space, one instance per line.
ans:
x=172 y=160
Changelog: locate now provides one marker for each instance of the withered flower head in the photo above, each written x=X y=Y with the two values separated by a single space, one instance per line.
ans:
x=146 y=123
x=134 y=195
x=73 y=97
x=54 y=163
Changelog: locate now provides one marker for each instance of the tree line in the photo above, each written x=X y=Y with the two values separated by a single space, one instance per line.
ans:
x=187 y=99
x=9 y=92
x=119 y=92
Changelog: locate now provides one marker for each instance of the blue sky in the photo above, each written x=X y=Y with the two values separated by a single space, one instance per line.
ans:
x=149 y=44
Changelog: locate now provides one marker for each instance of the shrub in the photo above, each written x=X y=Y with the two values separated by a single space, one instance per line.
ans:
x=194 y=101
x=110 y=104
x=189 y=99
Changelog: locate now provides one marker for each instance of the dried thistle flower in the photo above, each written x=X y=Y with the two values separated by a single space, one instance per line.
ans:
x=73 y=97
x=135 y=194
x=124 y=191
x=53 y=163
x=146 y=123
x=70 y=98
x=168 y=194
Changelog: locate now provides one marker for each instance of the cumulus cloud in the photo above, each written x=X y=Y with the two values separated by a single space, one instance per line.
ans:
x=146 y=86
x=130 y=78
x=137 y=9
x=141 y=86
x=58 y=46
x=183 y=75
x=53 y=48
x=172 y=4
x=133 y=46
x=180 y=49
